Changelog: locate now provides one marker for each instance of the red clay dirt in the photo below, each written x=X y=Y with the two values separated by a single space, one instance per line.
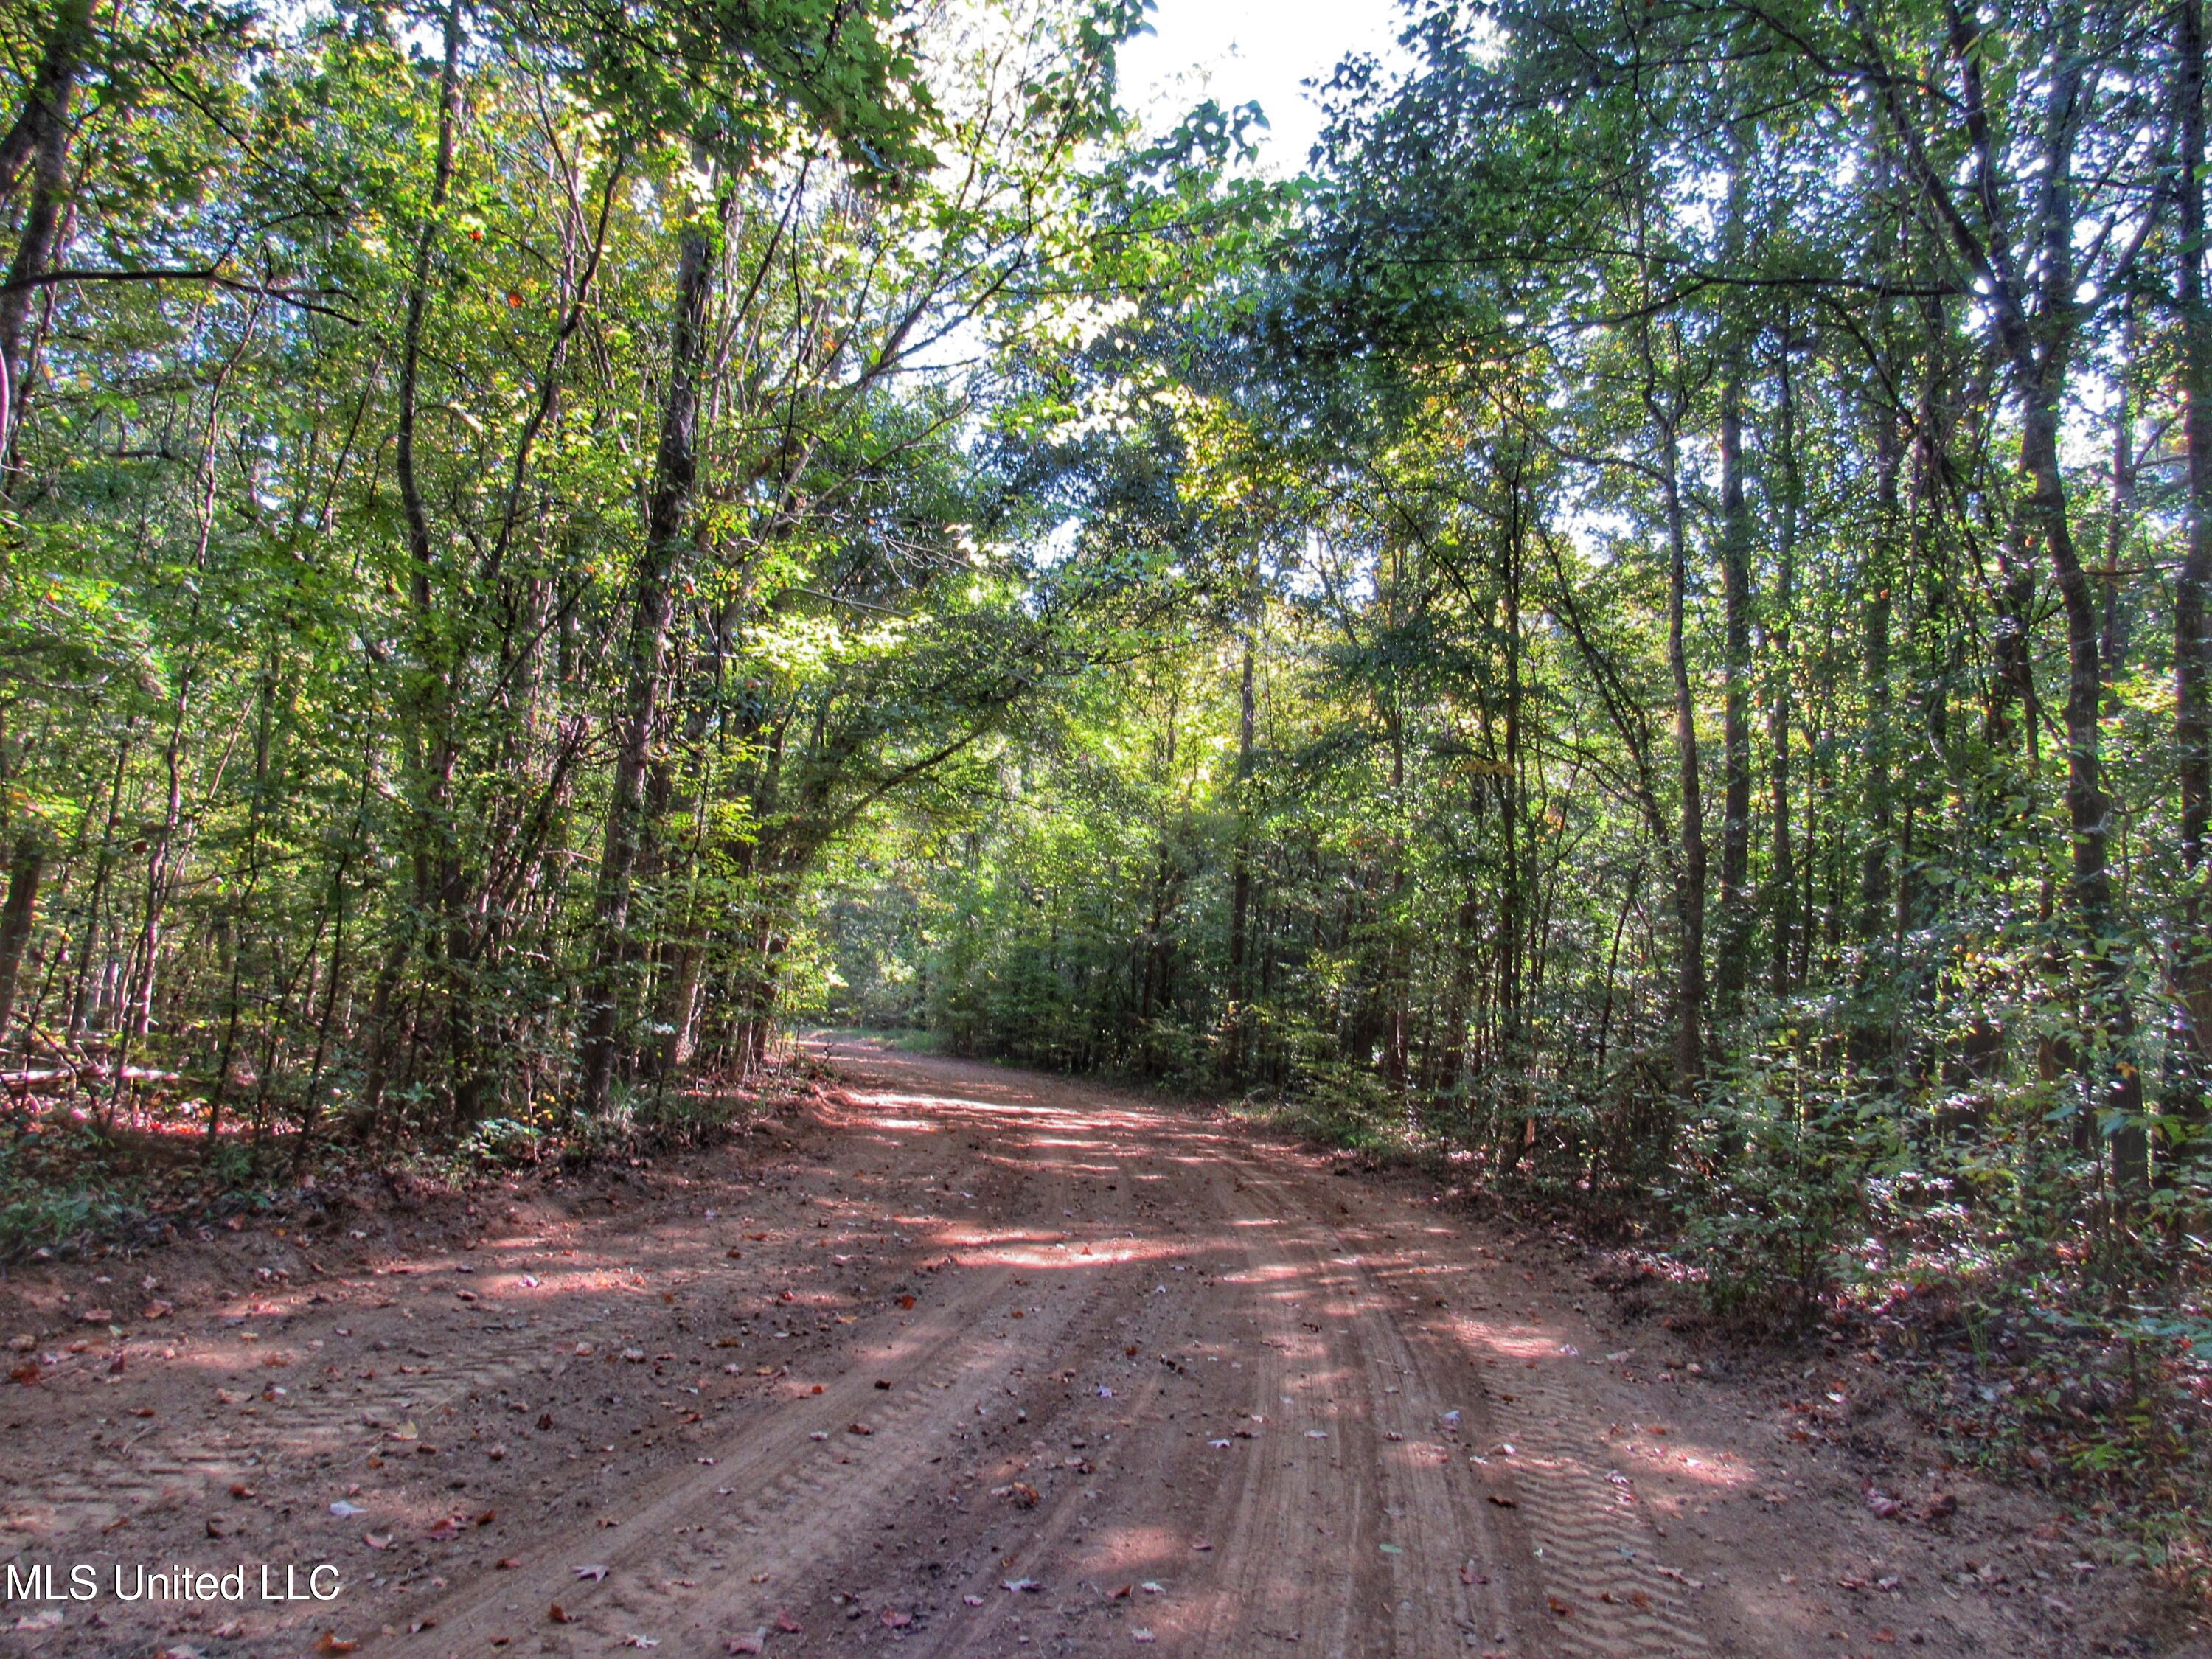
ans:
x=966 y=1361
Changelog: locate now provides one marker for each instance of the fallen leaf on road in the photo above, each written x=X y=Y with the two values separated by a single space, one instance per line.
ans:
x=892 y=1618
x=377 y=1541
x=757 y=1643
x=973 y=1601
x=1564 y=1609
x=330 y=1642
x=787 y=1624
x=344 y=1510
x=1141 y=1635
x=559 y=1614
x=1881 y=1502
x=1504 y=1502
x=1021 y=1586
x=594 y=1572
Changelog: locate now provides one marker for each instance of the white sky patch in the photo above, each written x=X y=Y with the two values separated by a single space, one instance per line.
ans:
x=1253 y=50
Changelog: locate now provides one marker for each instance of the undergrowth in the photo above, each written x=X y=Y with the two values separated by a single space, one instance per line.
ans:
x=73 y=1181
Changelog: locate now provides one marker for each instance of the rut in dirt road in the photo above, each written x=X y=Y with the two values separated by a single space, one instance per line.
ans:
x=1174 y=1393
x=972 y=1362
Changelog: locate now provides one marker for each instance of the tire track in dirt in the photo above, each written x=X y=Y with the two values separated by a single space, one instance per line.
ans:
x=1424 y=1563
x=769 y=1474
x=719 y=1549
x=1602 y=1586
x=1285 y=1417
x=816 y=1509
x=190 y=1465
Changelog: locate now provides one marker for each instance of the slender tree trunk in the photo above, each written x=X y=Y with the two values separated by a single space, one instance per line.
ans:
x=2118 y=1090
x=668 y=518
x=425 y=700
x=1732 y=963
x=1690 y=864
x=25 y=867
x=2112 y=648
x=1240 y=857
x=2193 y=639
x=1875 y=860
x=40 y=138
x=1783 y=880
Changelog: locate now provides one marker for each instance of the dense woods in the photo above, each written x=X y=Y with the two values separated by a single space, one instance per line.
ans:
x=1641 y=626
x=1695 y=680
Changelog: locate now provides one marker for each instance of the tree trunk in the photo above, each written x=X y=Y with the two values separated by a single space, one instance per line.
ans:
x=1690 y=864
x=426 y=700
x=25 y=866
x=1732 y=964
x=40 y=137
x=2192 y=642
x=2089 y=809
x=1783 y=880
x=668 y=518
x=1240 y=863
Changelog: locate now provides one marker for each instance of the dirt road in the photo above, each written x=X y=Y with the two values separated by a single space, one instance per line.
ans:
x=968 y=1362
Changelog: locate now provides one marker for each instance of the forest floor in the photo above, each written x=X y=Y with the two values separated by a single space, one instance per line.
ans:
x=961 y=1360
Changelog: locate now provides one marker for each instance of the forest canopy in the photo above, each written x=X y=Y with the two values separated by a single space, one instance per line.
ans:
x=1639 y=626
